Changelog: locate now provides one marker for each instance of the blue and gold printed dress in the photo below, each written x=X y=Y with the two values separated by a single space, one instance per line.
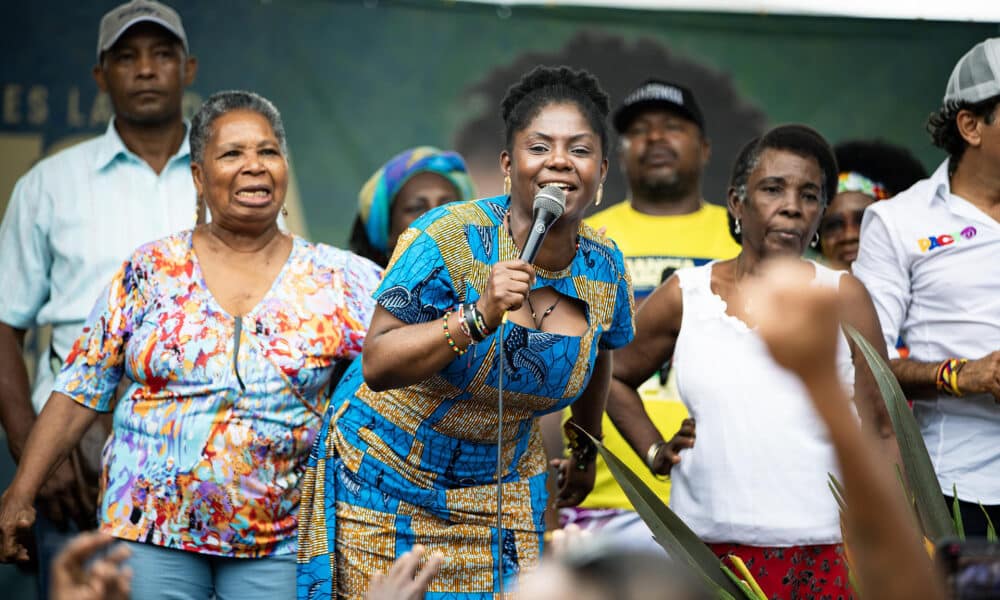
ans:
x=416 y=465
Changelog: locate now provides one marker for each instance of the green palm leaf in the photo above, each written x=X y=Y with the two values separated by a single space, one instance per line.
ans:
x=923 y=483
x=669 y=530
x=991 y=532
x=956 y=513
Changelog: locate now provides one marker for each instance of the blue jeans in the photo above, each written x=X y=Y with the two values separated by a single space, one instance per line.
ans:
x=168 y=574
x=49 y=540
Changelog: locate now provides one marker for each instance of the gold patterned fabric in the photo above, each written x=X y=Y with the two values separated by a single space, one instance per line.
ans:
x=416 y=465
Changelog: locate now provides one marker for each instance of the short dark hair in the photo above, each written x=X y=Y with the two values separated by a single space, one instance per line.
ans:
x=547 y=85
x=798 y=139
x=893 y=166
x=944 y=129
x=221 y=103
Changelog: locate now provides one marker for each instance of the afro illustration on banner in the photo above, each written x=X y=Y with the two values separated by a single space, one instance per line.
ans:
x=620 y=66
x=357 y=82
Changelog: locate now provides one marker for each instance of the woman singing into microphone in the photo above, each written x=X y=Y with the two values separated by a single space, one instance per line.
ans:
x=408 y=452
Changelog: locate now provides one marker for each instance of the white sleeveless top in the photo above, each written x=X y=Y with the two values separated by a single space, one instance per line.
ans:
x=757 y=474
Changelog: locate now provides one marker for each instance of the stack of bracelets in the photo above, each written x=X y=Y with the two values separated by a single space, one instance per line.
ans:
x=581 y=447
x=947 y=375
x=472 y=323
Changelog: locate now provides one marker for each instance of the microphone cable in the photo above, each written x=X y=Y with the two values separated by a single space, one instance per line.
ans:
x=499 y=473
x=551 y=200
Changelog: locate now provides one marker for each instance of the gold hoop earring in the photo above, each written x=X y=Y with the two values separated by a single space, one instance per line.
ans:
x=284 y=211
x=599 y=196
x=506 y=185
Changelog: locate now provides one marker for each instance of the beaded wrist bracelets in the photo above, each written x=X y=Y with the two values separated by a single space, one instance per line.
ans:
x=582 y=449
x=471 y=322
x=947 y=375
x=447 y=335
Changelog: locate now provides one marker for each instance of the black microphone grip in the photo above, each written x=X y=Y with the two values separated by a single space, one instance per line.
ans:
x=535 y=238
x=549 y=205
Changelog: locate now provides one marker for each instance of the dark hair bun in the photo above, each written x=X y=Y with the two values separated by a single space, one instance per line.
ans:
x=545 y=85
x=542 y=77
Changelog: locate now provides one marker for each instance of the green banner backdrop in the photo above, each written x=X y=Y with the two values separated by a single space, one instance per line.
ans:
x=359 y=81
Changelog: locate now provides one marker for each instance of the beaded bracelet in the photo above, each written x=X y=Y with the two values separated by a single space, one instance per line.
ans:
x=447 y=336
x=946 y=379
x=583 y=450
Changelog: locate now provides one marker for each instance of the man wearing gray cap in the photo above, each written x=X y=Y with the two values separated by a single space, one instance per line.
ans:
x=75 y=216
x=928 y=257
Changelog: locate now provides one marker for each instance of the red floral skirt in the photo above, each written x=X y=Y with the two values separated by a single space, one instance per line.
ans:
x=797 y=572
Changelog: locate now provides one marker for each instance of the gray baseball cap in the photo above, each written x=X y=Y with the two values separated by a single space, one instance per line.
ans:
x=117 y=20
x=977 y=75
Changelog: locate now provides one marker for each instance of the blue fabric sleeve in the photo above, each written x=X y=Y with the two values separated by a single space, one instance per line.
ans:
x=622 y=328
x=417 y=287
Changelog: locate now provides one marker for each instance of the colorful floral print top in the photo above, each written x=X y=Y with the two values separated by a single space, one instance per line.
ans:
x=207 y=448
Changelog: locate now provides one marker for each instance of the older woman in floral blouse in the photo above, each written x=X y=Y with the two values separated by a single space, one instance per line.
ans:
x=229 y=335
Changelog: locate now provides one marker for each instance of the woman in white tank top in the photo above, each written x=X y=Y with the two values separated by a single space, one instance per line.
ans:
x=755 y=482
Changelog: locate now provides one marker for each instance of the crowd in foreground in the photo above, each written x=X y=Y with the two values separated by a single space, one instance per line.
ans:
x=267 y=416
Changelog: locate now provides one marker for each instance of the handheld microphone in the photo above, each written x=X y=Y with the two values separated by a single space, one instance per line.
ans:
x=549 y=205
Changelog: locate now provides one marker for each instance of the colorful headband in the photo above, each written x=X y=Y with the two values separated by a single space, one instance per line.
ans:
x=852 y=181
x=376 y=196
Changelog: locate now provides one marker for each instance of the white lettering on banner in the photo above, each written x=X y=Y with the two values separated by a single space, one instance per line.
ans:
x=11 y=104
x=101 y=111
x=22 y=104
x=38 y=105
x=74 y=118
x=27 y=109
x=16 y=101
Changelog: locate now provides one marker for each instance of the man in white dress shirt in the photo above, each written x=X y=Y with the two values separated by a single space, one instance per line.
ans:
x=930 y=257
x=75 y=216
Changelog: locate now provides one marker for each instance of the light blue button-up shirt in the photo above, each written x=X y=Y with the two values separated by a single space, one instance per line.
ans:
x=72 y=220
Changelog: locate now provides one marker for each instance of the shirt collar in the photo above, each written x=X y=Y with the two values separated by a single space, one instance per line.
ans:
x=941 y=183
x=111 y=147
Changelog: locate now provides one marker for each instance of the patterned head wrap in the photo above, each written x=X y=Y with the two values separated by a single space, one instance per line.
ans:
x=852 y=181
x=377 y=195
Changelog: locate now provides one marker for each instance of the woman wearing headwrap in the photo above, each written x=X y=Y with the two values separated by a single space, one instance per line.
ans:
x=869 y=171
x=410 y=184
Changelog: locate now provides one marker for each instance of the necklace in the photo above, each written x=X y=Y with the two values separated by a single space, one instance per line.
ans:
x=548 y=311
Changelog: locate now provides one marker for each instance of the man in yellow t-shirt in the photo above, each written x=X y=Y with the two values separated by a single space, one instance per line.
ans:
x=665 y=225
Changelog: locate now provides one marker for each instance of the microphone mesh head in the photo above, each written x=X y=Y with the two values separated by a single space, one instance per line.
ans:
x=552 y=199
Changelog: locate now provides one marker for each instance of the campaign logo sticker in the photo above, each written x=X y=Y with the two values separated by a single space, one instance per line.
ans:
x=946 y=239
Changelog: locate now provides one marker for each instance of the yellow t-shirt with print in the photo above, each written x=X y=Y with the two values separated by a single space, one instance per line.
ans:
x=651 y=245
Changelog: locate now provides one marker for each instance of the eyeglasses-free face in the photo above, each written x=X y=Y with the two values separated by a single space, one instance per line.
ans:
x=840 y=228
